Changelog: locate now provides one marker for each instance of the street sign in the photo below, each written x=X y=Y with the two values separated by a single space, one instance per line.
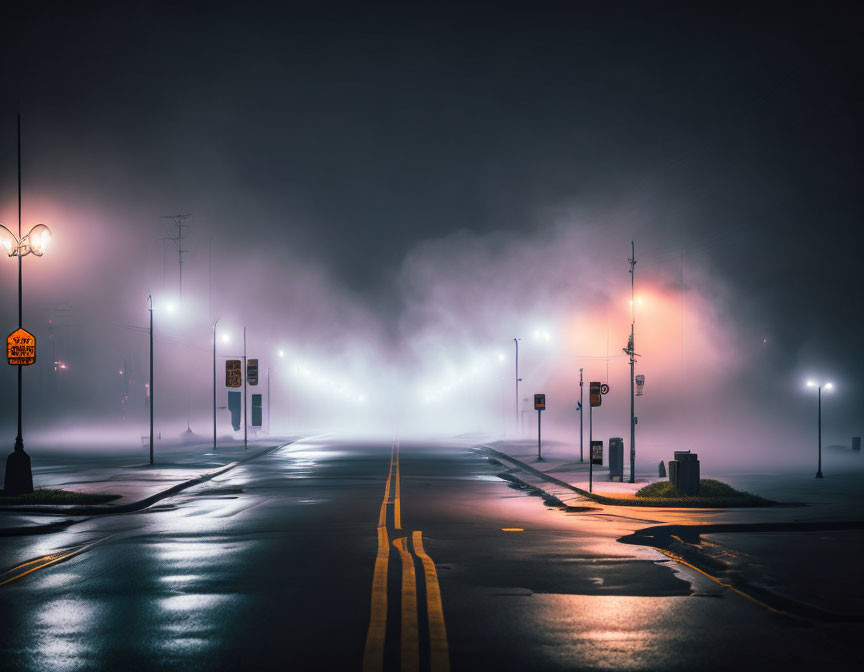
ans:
x=233 y=373
x=604 y=389
x=597 y=452
x=540 y=402
x=256 y=410
x=252 y=372
x=595 y=394
x=21 y=348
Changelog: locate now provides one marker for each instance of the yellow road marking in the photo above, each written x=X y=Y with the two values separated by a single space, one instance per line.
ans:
x=49 y=560
x=512 y=529
x=439 y=657
x=718 y=581
x=410 y=642
x=382 y=517
x=373 y=655
x=397 y=509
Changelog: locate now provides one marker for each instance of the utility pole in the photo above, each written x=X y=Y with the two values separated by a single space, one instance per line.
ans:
x=178 y=235
x=516 y=342
x=581 y=416
x=631 y=351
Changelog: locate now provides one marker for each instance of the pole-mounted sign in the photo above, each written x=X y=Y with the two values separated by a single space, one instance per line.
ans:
x=597 y=453
x=252 y=372
x=233 y=373
x=597 y=391
x=539 y=406
x=21 y=348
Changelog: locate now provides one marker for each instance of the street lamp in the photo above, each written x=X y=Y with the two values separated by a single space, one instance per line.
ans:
x=150 y=309
x=19 y=477
x=214 y=381
x=516 y=342
x=819 y=386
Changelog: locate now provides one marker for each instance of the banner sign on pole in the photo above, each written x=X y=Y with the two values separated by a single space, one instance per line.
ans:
x=233 y=373
x=252 y=372
x=21 y=348
x=540 y=402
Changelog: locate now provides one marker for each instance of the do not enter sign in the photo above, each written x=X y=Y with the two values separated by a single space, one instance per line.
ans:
x=21 y=348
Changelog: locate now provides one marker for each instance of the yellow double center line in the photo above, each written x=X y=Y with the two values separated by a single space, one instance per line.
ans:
x=373 y=655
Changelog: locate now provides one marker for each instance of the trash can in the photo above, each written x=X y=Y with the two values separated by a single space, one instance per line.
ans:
x=684 y=472
x=616 y=458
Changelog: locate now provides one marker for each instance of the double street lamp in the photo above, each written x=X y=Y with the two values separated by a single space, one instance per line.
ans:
x=19 y=477
x=819 y=386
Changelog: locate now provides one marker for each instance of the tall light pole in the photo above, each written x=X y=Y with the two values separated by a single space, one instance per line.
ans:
x=245 y=405
x=215 y=322
x=819 y=387
x=152 y=398
x=19 y=477
x=518 y=379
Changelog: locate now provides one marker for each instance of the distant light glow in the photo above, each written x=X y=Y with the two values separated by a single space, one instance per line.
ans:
x=828 y=386
x=226 y=338
x=281 y=353
x=542 y=335
x=810 y=383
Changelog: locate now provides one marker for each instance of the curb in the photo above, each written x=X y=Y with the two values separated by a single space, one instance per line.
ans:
x=643 y=503
x=103 y=509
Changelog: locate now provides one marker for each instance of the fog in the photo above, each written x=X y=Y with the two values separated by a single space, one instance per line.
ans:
x=386 y=206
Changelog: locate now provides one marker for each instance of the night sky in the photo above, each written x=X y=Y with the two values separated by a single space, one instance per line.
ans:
x=355 y=137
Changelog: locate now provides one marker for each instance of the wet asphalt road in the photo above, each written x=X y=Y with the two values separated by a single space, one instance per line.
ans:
x=289 y=561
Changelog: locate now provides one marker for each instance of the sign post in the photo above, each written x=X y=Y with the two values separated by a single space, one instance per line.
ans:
x=233 y=373
x=21 y=348
x=597 y=390
x=540 y=406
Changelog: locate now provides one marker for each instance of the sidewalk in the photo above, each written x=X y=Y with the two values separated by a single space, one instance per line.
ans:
x=128 y=475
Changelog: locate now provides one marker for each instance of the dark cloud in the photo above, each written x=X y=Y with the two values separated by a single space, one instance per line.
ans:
x=324 y=144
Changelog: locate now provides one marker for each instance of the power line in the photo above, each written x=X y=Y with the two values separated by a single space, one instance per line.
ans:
x=177 y=236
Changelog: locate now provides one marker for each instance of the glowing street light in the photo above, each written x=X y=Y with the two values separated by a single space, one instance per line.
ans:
x=819 y=386
x=19 y=477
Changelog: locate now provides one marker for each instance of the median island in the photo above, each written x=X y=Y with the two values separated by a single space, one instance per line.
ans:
x=52 y=496
x=712 y=494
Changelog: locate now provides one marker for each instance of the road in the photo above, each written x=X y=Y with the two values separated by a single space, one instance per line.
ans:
x=358 y=555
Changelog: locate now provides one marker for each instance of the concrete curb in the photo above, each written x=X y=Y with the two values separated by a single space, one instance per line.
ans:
x=643 y=503
x=546 y=477
x=103 y=509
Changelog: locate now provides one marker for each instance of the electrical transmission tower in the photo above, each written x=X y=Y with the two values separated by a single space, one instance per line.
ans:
x=177 y=236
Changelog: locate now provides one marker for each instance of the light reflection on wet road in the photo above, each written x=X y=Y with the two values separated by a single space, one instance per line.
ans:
x=271 y=566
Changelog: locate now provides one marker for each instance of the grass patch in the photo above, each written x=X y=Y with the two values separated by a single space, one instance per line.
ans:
x=707 y=488
x=711 y=494
x=50 y=496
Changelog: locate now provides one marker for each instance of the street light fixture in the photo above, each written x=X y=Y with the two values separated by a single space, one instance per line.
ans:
x=819 y=386
x=19 y=477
